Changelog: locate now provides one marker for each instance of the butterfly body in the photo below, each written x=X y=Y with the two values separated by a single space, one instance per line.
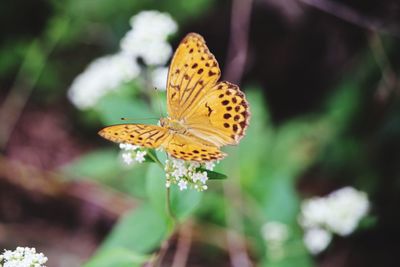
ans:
x=174 y=126
x=204 y=114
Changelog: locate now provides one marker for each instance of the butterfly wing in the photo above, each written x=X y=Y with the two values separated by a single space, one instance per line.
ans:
x=191 y=148
x=221 y=116
x=214 y=112
x=192 y=72
x=151 y=136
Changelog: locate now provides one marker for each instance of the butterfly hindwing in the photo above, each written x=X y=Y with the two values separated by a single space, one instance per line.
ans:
x=151 y=136
x=191 y=148
x=193 y=71
x=221 y=116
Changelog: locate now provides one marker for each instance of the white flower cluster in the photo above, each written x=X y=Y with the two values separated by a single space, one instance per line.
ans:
x=338 y=213
x=132 y=153
x=275 y=235
x=186 y=174
x=103 y=75
x=22 y=257
x=146 y=39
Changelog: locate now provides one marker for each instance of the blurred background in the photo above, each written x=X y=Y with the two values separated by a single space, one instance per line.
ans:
x=321 y=79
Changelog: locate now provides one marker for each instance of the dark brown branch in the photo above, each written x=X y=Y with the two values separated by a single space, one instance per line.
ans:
x=53 y=184
x=183 y=246
x=238 y=40
x=389 y=82
x=350 y=15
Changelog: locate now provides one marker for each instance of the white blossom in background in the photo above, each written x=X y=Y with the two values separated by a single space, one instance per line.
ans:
x=153 y=24
x=348 y=206
x=132 y=153
x=146 y=39
x=22 y=257
x=339 y=212
x=159 y=77
x=314 y=212
x=186 y=174
x=275 y=235
x=317 y=240
x=275 y=232
x=153 y=52
x=103 y=75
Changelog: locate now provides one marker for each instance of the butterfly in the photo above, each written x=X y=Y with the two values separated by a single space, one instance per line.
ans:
x=204 y=113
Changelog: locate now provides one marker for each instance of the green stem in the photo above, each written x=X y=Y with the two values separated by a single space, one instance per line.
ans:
x=169 y=208
x=156 y=160
x=168 y=193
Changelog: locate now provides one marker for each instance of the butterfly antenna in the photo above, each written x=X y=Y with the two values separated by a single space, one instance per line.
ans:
x=133 y=119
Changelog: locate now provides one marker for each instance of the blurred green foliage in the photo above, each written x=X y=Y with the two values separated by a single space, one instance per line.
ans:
x=266 y=165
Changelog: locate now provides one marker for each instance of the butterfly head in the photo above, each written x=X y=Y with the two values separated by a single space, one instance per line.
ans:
x=163 y=122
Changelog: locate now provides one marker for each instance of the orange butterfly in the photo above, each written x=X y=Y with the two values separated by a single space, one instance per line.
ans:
x=204 y=114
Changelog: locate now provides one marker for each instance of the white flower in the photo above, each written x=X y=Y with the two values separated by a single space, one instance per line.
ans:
x=127 y=158
x=185 y=174
x=203 y=177
x=159 y=77
x=316 y=240
x=23 y=257
x=199 y=176
x=153 y=25
x=100 y=77
x=209 y=165
x=275 y=232
x=140 y=156
x=132 y=153
x=182 y=184
x=314 y=212
x=148 y=37
x=347 y=207
x=152 y=52
x=128 y=147
x=340 y=212
x=180 y=169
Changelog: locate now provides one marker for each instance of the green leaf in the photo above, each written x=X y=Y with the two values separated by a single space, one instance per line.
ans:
x=184 y=203
x=151 y=156
x=113 y=107
x=212 y=175
x=156 y=190
x=119 y=257
x=368 y=222
x=141 y=231
x=100 y=165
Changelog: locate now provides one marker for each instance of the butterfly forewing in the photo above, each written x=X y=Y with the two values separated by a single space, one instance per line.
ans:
x=151 y=136
x=193 y=71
